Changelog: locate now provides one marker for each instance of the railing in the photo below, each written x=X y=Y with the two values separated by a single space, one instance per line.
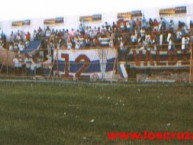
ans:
x=137 y=61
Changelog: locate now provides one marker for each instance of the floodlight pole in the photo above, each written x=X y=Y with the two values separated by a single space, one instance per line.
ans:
x=57 y=64
x=7 y=67
x=190 y=74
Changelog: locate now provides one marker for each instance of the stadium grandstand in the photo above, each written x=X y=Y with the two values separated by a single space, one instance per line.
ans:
x=131 y=45
x=96 y=72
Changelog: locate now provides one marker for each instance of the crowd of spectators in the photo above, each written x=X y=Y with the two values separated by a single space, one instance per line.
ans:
x=154 y=34
x=139 y=33
x=134 y=33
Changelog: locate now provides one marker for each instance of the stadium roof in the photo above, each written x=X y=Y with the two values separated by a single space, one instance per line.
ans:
x=22 y=9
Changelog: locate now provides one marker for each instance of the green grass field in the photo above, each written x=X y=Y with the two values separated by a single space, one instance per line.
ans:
x=82 y=114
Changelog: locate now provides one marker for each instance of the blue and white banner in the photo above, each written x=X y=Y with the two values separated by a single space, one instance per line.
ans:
x=90 y=63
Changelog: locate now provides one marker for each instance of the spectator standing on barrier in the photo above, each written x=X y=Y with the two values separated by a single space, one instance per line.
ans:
x=18 y=37
x=155 y=25
x=121 y=44
x=114 y=27
x=77 y=44
x=169 y=36
x=107 y=26
x=33 y=67
x=35 y=35
x=69 y=44
x=128 y=26
x=48 y=32
x=133 y=39
x=187 y=42
x=23 y=37
x=21 y=46
x=171 y=45
x=111 y=43
x=161 y=37
x=27 y=62
x=51 y=47
x=162 y=24
x=72 y=33
x=40 y=33
x=65 y=36
x=102 y=30
x=15 y=47
x=138 y=24
x=143 y=23
x=87 y=42
x=152 y=43
x=178 y=36
x=184 y=43
x=12 y=37
x=11 y=46
x=28 y=36
x=38 y=64
x=150 y=24
x=142 y=33
x=122 y=27
x=17 y=65
x=121 y=50
x=171 y=25
x=82 y=28
x=191 y=24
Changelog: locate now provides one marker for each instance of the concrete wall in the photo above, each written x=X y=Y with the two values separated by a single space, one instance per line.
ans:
x=73 y=21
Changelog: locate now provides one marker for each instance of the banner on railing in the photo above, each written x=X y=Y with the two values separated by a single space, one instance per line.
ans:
x=93 y=18
x=91 y=63
x=54 y=21
x=21 y=23
x=124 y=16
x=136 y=13
x=172 y=59
x=173 y=11
x=129 y=15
